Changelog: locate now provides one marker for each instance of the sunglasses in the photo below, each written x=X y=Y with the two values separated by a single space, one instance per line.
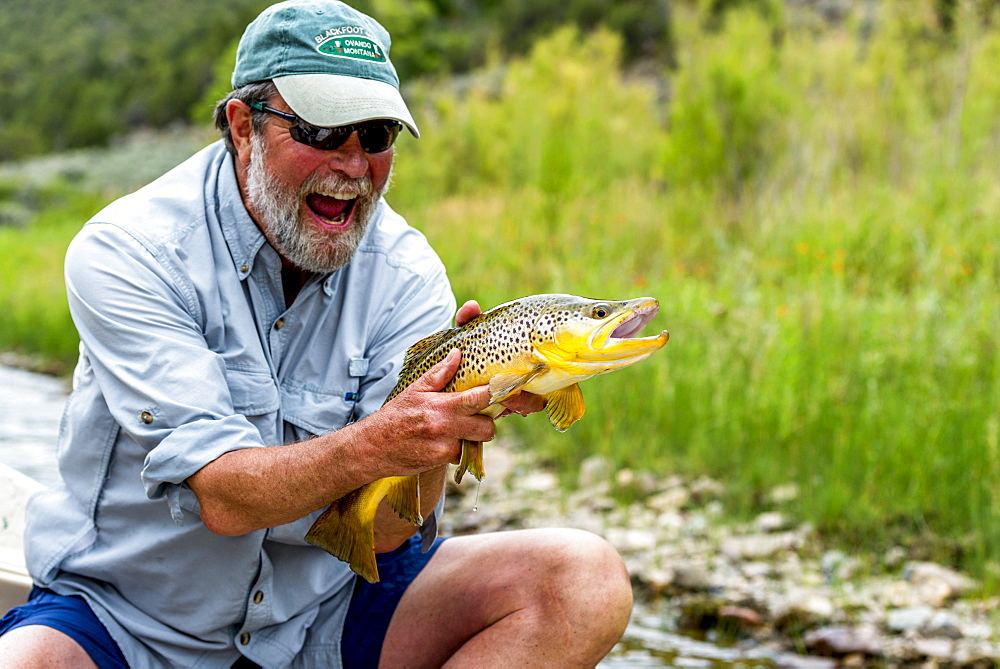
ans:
x=375 y=136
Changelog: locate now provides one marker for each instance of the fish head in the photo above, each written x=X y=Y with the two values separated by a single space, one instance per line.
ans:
x=583 y=337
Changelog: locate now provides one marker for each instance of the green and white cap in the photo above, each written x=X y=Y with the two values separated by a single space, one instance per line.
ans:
x=329 y=61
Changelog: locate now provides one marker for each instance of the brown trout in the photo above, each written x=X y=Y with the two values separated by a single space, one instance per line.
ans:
x=543 y=344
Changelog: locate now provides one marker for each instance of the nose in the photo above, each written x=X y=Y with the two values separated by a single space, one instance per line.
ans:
x=349 y=158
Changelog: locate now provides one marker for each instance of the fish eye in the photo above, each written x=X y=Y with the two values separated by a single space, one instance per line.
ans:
x=601 y=311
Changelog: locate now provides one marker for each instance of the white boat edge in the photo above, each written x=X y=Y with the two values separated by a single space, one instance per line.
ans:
x=14 y=579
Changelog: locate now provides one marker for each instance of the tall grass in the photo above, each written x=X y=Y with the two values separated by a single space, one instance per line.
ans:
x=36 y=318
x=817 y=214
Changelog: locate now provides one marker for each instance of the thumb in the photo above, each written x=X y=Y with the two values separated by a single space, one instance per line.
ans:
x=438 y=376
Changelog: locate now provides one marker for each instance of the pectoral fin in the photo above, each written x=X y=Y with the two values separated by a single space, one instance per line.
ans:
x=565 y=407
x=505 y=384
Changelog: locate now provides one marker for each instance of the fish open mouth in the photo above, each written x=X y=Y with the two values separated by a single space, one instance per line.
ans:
x=618 y=338
x=634 y=323
x=332 y=210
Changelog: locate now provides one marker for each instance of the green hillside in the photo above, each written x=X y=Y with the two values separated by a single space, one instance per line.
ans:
x=79 y=72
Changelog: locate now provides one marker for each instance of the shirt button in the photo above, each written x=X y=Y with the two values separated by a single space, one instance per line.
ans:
x=244 y=268
x=280 y=323
x=245 y=638
x=146 y=417
x=258 y=597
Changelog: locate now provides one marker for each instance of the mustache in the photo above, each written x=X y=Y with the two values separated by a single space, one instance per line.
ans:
x=336 y=184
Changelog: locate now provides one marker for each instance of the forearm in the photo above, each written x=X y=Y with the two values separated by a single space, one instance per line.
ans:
x=256 y=488
x=417 y=432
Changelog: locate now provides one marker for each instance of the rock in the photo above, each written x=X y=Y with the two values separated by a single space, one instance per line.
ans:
x=756 y=546
x=803 y=610
x=771 y=522
x=740 y=618
x=785 y=493
x=936 y=579
x=594 y=470
x=672 y=499
x=499 y=463
x=844 y=641
x=705 y=488
x=933 y=648
x=692 y=577
x=934 y=591
x=538 y=481
x=642 y=483
x=894 y=557
x=943 y=624
x=630 y=540
x=756 y=570
x=653 y=581
x=837 y=566
x=909 y=619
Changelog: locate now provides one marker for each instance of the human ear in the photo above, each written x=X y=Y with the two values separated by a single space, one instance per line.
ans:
x=240 y=129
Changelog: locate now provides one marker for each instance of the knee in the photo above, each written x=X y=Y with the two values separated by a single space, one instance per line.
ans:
x=592 y=581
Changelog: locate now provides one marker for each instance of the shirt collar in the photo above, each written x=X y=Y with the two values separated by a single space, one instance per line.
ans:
x=241 y=233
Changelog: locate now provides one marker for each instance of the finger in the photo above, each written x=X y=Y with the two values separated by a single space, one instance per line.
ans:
x=524 y=403
x=438 y=376
x=479 y=429
x=467 y=312
x=474 y=400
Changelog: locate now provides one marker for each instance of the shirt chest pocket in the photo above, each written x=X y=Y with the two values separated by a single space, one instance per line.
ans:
x=317 y=411
x=255 y=396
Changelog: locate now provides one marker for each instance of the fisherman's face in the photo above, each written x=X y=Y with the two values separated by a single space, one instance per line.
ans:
x=313 y=205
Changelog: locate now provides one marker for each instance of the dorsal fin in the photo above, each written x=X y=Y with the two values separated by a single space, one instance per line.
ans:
x=425 y=345
x=432 y=349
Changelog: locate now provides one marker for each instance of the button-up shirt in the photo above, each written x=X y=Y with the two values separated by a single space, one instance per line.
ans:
x=188 y=352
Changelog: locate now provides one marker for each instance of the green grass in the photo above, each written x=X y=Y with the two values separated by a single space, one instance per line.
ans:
x=815 y=210
x=820 y=229
x=32 y=295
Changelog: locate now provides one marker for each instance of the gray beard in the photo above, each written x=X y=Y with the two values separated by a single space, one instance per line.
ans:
x=279 y=208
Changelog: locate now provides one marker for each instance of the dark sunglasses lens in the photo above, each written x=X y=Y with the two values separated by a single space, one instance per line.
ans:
x=374 y=136
x=378 y=136
x=319 y=137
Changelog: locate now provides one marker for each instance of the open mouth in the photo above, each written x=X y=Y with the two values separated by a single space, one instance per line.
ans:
x=618 y=338
x=634 y=323
x=332 y=210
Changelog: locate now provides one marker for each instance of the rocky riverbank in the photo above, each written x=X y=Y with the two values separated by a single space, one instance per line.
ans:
x=768 y=591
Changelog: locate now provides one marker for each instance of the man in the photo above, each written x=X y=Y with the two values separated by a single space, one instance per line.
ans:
x=242 y=320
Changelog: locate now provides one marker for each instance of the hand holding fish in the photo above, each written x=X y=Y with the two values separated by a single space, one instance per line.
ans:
x=542 y=344
x=432 y=424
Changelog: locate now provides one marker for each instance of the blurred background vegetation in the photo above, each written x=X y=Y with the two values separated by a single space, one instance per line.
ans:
x=810 y=187
x=80 y=72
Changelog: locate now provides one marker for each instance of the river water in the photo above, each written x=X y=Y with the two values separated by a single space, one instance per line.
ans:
x=31 y=406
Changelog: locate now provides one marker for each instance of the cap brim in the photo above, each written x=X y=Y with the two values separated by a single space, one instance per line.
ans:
x=333 y=99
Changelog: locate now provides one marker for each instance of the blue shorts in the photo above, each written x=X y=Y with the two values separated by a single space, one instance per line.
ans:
x=371 y=609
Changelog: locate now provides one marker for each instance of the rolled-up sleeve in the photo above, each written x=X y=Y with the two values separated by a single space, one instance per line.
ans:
x=141 y=328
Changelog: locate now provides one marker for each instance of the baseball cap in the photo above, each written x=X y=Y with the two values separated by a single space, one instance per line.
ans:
x=329 y=61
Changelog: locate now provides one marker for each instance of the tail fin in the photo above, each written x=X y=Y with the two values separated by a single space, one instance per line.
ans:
x=472 y=461
x=346 y=529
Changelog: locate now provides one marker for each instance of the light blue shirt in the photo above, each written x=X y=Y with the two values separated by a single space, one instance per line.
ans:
x=188 y=352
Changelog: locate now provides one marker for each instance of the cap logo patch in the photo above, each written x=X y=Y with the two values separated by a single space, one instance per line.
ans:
x=350 y=42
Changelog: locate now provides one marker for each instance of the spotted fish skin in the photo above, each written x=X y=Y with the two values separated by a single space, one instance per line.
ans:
x=543 y=344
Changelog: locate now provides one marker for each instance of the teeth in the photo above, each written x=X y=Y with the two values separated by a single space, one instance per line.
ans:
x=339 y=220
